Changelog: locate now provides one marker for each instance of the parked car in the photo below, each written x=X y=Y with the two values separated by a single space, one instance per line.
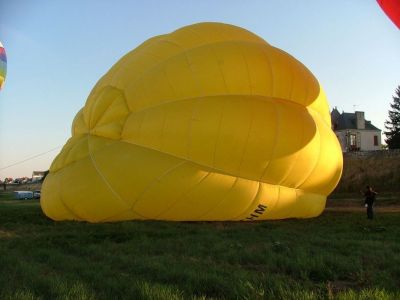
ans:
x=36 y=194
x=23 y=195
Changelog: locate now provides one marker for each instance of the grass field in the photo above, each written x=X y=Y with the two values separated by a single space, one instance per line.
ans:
x=335 y=256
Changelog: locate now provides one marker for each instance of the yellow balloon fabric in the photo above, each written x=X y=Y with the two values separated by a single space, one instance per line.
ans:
x=208 y=122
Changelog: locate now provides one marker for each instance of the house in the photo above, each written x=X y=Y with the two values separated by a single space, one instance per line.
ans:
x=354 y=132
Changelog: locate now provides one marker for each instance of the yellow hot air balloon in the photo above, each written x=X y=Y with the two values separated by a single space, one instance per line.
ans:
x=208 y=122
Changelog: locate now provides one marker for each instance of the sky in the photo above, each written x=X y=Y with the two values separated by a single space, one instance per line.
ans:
x=57 y=50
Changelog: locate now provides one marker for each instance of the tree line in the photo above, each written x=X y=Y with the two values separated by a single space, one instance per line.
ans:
x=392 y=125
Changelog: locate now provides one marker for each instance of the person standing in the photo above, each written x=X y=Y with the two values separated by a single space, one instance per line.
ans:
x=369 y=195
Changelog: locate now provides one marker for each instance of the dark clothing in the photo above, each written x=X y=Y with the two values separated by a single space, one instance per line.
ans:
x=369 y=197
x=370 y=212
x=369 y=201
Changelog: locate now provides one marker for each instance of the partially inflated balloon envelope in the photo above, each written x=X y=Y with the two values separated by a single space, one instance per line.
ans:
x=208 y=122
x=3 y=65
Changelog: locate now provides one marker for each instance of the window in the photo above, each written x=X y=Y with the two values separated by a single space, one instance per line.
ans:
x=376 y=140
x=353 y=140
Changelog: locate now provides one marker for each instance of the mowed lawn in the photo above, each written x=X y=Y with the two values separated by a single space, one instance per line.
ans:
x=339 y=255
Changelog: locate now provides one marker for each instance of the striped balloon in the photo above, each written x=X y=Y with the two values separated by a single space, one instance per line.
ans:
x=3 y=65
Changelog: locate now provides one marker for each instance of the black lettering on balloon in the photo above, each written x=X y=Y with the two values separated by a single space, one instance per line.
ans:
x=260 y=209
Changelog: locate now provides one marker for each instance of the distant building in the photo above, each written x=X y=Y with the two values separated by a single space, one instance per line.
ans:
x=354 y=132
x=38 y=175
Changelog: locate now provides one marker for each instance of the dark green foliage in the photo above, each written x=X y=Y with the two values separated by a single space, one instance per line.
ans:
x=338 y=255
x=393 y=123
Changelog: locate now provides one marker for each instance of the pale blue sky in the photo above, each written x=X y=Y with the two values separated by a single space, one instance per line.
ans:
x=57 y=50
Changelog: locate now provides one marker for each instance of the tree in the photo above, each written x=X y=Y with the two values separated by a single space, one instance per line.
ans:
x=393 y=124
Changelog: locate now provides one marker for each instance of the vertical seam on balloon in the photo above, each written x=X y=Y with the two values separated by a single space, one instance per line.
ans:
x=271 y=208
x=302 y=140
x=219 y=68
x=278 y=125
x=184 y=53
x=250 y=206
x=169 y=81
x=71 y=211
x=271 y=70
x=292 y=165
x=272 y=84
x=144 y=115
x=189 y=143
x=139 y=134
x=180 y=198
x=218 y=131
x=247 y=69
x=195 y=107
x=247 y=138
x=103 y=178
x=223 y=106
x=293 y=79
x=304 y=214
x=165 y=113
x=219 y=202
x=318 y=157
x=293 y=207
x=154 y=181
x=127 y=115
x=278 y=196
x=164 y=110
x=253 y=110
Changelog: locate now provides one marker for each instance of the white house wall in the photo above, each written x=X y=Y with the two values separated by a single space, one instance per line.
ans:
x=366 y=138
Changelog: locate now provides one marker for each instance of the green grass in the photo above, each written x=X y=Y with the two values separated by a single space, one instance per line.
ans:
x=335 y=256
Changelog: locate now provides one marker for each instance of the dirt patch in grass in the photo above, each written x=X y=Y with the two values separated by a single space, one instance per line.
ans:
x=7 y=234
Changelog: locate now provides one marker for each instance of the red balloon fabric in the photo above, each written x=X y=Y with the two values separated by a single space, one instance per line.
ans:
x=392 y=10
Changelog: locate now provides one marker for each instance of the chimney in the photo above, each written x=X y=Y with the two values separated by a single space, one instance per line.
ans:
x=360 y=120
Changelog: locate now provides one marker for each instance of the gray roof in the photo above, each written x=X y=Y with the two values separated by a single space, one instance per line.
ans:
x=342 y=121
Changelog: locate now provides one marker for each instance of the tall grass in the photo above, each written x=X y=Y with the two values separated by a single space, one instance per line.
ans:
x=380 y=171
x=335 y=256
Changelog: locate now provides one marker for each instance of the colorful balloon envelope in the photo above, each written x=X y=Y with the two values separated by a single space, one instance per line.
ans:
x=3 y=65
x=209 y=122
